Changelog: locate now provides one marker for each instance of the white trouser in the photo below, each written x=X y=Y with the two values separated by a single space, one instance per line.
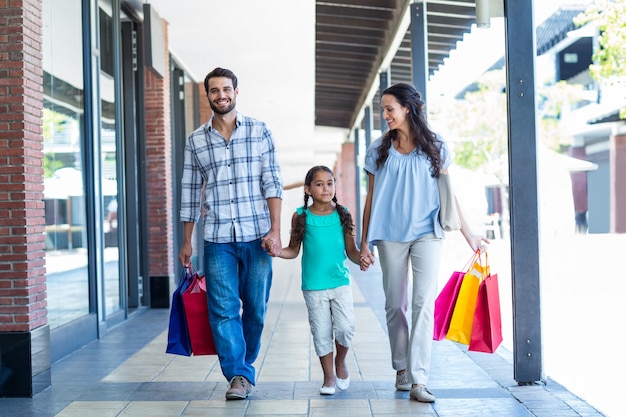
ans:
x=414 y=352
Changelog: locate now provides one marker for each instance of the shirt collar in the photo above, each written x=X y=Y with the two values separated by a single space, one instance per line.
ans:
x=238 y=122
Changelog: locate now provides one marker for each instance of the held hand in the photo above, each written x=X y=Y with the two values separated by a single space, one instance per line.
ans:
x=364 y=264
x=272 y=244
x=366 y=259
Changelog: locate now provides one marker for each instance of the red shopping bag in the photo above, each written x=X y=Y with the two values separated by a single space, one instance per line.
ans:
x=487 y=325
x=197 y=314
x=446 y=300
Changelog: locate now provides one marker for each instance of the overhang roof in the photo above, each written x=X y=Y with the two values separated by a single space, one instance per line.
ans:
x=552 y=30
x=610 y=117
x=353 y=39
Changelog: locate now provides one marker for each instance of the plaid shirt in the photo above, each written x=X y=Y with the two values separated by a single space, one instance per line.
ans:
x=238 y=175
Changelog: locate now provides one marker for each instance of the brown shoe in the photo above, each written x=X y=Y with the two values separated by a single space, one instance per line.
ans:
x=239 y=389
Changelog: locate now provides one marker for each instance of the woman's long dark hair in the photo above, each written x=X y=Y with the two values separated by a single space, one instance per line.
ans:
x=297 y=233
x=424 y=139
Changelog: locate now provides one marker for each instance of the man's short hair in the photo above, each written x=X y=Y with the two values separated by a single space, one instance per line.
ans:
x=220 y=72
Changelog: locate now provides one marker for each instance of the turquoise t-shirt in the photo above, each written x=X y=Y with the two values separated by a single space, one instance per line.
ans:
x=405 y=201
x=323 y=252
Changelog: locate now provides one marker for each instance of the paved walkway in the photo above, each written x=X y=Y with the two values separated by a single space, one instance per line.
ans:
x=127 y=373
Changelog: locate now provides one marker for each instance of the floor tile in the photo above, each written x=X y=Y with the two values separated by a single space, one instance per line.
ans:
x=128 y=374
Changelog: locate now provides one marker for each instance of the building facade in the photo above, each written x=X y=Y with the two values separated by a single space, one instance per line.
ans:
x=93 y=107
x=95 y=110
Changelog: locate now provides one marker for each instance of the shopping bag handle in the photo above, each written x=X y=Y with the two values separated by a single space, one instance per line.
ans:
x=191 y=269
x=189 y=272
x=485 y=269
x=472 y=260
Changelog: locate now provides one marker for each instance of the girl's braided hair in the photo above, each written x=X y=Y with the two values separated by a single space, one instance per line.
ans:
x=297 y=232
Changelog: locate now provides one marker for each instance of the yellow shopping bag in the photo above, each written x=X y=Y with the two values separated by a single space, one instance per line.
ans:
x=460 y=329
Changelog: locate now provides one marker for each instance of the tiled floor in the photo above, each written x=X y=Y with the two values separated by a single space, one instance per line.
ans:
x=127 y=373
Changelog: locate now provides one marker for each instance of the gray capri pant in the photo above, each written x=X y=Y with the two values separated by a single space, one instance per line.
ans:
x=331 y=317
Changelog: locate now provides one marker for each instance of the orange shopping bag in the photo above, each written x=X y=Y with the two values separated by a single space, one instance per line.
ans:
x=446 y=300
x=460 y=329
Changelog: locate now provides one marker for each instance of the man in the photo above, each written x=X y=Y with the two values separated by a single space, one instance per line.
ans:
x=233 y=158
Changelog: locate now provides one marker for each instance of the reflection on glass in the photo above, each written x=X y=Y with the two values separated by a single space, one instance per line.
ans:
x=64 y=197
x=108 y=148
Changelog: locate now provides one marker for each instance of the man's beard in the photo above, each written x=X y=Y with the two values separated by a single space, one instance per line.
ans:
x=226 y=110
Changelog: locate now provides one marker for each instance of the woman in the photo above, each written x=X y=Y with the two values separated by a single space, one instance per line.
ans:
x=400 y=217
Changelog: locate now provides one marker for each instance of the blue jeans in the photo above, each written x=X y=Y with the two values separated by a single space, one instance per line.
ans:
x=238 y=281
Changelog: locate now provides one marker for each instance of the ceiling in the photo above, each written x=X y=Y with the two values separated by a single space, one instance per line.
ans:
x=353 y=40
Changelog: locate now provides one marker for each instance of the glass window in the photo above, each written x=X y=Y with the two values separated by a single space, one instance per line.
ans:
x=109 y=161
x=64 y=196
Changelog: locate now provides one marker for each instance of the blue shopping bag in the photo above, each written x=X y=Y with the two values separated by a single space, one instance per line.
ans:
x=178 y=341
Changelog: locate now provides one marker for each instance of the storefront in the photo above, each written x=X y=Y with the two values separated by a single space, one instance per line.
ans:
x=94 y=209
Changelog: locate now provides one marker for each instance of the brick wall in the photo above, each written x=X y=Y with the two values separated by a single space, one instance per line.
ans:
x=618 y=183
x=22 y=222
x=344 y=172
x=204 y=109
x=159 y=171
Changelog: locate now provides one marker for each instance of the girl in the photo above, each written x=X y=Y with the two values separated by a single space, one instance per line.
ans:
x=326 y=232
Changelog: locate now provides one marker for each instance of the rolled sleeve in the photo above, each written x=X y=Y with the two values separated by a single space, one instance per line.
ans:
x=271 y=176
x=191 y=186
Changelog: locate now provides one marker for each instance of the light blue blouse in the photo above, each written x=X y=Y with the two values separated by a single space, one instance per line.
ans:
x=405 y=202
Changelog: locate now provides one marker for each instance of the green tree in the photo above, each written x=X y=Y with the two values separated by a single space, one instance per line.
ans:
x=50 y=165
x=476 y=126
x=53 y=123
x=609 y=16
x=553 y=99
